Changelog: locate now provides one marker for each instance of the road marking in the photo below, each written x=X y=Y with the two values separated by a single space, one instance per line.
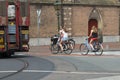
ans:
x=69 y=72
x=7 y=71
x=106 y=78
x=61 y=72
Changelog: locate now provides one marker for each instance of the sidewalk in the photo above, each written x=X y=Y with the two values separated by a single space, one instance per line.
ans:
x=44 y=49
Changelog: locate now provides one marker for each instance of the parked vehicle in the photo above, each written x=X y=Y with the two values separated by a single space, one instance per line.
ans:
x=14 y=26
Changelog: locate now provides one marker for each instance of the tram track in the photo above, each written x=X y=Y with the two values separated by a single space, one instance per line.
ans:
x=25 y=66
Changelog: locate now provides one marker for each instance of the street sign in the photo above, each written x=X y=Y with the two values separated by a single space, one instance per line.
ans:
x=38 y=12
x=38 y=15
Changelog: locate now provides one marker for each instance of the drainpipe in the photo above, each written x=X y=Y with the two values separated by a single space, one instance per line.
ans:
x=61 y=12
x=119 y=24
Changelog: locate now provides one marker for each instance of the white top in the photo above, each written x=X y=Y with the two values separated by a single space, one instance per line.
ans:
x=65 y=35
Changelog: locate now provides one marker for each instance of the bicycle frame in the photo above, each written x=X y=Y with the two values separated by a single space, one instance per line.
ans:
x=94 y=43
x=85 y=48
x=87 y=44
x=55 y=48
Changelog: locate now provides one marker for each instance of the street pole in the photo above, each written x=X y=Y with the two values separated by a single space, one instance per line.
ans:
x=58 y=17
x=57 y=6
x=61 y=13
x=38 y=22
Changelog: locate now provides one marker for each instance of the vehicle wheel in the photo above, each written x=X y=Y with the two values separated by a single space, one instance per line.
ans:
x=83 y=49
x=50 y=47
x=72 y=42
x=67 y=49
x=98 y=50
x=7 y=54
x=54 y=49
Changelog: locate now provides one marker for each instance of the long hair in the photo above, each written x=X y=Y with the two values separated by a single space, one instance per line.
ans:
x=65 y=29
x=94 y=29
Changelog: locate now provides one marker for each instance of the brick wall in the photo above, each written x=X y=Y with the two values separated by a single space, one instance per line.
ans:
x=80 y=20
x=48 y=25
x=110 y=21
x=110 y=17
x=80 y=17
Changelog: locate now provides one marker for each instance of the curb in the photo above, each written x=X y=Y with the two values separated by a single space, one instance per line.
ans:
x=104 y=53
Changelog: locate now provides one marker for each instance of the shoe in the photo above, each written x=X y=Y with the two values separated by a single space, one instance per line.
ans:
x=93 y=50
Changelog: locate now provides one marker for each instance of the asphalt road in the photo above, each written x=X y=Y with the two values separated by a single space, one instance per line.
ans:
x=61 y=67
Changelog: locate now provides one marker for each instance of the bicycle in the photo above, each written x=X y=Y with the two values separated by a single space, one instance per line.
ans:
x=55 y=48
x=72 y=41
x=85 y=47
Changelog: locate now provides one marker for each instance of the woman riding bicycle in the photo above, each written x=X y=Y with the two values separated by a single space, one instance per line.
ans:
x=63 y=37
x=93 y=36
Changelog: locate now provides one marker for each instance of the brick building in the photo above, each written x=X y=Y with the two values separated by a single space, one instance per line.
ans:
x=77 y=16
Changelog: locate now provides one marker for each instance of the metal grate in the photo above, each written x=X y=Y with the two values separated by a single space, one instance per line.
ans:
x=12 y=38
x=11 y=29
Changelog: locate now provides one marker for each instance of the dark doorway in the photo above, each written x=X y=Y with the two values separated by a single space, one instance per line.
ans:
x=92 y=22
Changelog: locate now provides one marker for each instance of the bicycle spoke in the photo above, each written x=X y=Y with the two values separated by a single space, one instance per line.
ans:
x=55 y=49
x=68 y=49
x=83 y=49
x=99 y=50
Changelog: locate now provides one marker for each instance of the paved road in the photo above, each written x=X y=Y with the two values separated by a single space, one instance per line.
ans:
x=10 y=68
x=63 y=67
x=78 y=67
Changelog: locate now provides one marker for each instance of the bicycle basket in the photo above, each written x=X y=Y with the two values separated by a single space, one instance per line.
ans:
x=54 y=39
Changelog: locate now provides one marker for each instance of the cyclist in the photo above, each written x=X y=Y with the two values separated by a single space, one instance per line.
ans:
x=63 y=37
x=93 y=36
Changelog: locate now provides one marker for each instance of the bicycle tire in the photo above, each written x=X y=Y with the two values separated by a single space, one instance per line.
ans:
x=98 y=50
x=67 y=49
x=83 y=49
x=54 y=49
x=50 y=47
x=72 y=42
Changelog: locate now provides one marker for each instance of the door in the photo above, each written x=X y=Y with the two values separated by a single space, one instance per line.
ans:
x=92 y=22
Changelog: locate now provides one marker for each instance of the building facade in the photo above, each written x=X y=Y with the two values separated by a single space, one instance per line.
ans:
x=78 y=16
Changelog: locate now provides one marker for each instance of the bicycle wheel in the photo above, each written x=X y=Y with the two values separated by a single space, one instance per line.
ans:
x=83 y=49
x=72 y=42
x=67 y=49
x=54 y=49
x=98 y=50
x=50 y=47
